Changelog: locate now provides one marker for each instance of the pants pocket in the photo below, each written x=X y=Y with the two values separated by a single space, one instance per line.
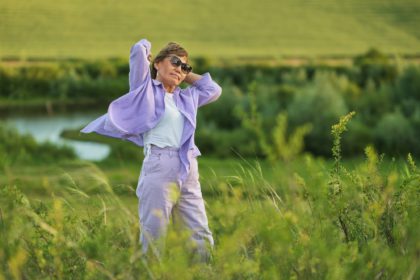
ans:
x=151 y=164
x=193 y=174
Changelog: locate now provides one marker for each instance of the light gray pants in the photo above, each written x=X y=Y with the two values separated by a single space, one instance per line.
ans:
x=161 y=195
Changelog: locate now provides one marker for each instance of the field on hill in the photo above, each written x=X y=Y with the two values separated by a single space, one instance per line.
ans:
x=97 y=29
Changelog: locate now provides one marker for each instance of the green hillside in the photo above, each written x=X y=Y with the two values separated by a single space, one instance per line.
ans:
x=104 y=28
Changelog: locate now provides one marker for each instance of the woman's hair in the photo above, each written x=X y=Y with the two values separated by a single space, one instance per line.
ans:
x=171 y=48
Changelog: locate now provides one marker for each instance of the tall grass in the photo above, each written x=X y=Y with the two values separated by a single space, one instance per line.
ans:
x=310 y=221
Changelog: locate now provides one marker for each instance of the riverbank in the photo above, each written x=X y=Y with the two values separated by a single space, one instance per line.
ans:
x=47 y=106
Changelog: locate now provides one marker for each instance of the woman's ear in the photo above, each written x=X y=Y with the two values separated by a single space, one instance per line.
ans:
x=156 y=65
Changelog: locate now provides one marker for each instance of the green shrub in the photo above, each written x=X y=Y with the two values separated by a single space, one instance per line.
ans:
x=394 y=134
x=222 y=113
x=358 y=137
x=315 y=94
x=319 y=104
x=374 y=66
x=373 y=103
x=124 y=152
x=227 y=143
x=407 y=91
x=23 y=148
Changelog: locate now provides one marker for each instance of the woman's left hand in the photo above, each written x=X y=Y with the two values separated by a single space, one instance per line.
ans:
x=192 y=77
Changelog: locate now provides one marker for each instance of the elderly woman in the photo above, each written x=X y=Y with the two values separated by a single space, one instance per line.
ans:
x=161 y=117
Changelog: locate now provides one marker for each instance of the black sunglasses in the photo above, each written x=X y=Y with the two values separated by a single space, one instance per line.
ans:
x=185 y=67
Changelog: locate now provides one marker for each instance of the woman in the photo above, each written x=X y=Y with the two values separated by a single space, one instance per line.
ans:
x=160 y=116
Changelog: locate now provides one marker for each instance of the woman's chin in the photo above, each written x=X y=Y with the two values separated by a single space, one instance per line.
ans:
x=175 y=82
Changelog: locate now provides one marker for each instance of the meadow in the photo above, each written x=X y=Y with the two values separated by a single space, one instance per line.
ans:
x=307 y=218
x=95 y=29
x=296 y=187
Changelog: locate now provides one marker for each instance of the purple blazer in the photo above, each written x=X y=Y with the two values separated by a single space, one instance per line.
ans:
x=141 y=109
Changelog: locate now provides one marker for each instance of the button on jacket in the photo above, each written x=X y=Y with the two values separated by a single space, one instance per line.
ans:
x=141 y=109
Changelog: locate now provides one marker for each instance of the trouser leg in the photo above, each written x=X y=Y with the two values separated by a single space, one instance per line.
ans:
x=157 y=196
x=155 y=206
x=190 y=209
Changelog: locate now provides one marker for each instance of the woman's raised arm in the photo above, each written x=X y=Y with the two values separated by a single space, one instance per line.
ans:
x=203 y=88
x=139 y=63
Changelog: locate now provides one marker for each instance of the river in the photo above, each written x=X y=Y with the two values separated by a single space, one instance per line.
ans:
x=48 y=128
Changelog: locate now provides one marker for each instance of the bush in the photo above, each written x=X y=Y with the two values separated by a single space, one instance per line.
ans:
x=374 y=103
x=375 y=66
x=227 y=143
x=314 y=94
x=407 y=91
x=222 y=113
x=320 y=104
x=5 y=81
x=394 y=134
x=357 y=138
x=123 y=151
x=23 y=148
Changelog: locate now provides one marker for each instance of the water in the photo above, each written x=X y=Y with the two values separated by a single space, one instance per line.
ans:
x=48 y=128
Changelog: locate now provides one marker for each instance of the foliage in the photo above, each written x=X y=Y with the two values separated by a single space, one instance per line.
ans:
x=374 y=66
x=277 y=145
x=313 y=94
x=319 y=104
x=23 y=148
x=310 y=221
x=395 y=133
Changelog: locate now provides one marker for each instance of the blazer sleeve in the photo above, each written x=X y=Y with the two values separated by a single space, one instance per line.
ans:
x=205 y=90
x=139 y=65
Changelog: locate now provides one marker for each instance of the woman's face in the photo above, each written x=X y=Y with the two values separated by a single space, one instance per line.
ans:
x=169 y=74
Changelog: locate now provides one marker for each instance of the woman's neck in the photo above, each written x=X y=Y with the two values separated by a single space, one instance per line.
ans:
x=169 y=89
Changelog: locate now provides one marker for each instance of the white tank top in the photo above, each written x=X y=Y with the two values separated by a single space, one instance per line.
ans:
x=168 y=132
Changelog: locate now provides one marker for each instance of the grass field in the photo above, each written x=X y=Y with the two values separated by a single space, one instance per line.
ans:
x=67 y=221
x=306 y=218
x=96 y=29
